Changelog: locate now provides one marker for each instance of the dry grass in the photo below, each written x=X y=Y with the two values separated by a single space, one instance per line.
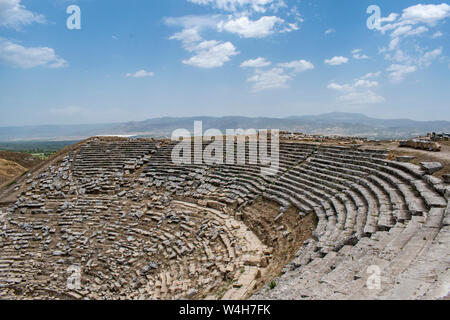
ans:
x=26 y=160
x=9 y=170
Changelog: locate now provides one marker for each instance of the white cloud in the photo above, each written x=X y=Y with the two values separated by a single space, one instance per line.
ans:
x=328 y=31
x=407 y=64
x=194 y=21
x=247 y=28
x=256 y=63
x=364 y=97
x=335 y=61
x=290 y=27
x=259 y=6
x=207 y=54
x=16 y=55
x=297 y=66
x=269 y=79
x=359 y=83
x=371 y=75
x=358 y=92
x=391 y=18
x=212 y=54
x=275 y=77
x=429 y=56
x=408 y=56
x=403 y=24
x=340 y=87
x=188 y=37
x=397 y=72
x=358 y=55
x=408 y=30
x=429 y=14
x=394 y=44
x=140 y=74
x=14 y=15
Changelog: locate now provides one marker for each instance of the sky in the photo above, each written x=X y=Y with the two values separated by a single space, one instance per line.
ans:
x=136 y=59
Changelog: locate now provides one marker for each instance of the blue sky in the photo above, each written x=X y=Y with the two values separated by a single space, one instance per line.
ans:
x=136 y=59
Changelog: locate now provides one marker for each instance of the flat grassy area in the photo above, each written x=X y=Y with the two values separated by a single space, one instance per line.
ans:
x=42 y=155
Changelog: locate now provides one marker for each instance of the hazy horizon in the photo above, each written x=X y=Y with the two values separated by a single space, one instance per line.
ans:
x=212 y=116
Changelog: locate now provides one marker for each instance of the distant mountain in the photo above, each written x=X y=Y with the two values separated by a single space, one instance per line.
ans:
x=335 y=123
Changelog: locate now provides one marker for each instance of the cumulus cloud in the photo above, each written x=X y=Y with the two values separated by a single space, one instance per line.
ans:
x=425 y=13
x=328 y=31
x=358 y=92
x=430 y=15
x=207 y=53
x=408 y=30
x=187 y=36
x=16 y=55
x=371 y=75
x=365 y=97
x=211 y=54
x=412 y=22
x=259 y=6
x=397 y=72
x=358 y=55
x=140 y=74
x=194 y=21
x=276 y=77
x=269 y=79
x=240 y=18
x=247 y=28
x=297 y=66
x=13 y=14
x=427 y=58
x=336 y=61
x=256 y=63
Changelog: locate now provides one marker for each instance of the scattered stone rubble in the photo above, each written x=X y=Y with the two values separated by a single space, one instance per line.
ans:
x=293 y=136
x=431 y=167
x=138 y=226
x=421 y=144
x=439 y=136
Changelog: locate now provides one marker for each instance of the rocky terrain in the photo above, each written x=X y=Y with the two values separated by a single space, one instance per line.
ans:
x=114 y=218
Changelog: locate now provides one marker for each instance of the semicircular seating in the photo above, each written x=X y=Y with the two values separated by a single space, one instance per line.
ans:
x=372 y=214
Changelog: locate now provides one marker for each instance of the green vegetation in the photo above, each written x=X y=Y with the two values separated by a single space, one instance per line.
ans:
x=11 y=183
x=40 y=148
x=42 y=155
x=272 y=285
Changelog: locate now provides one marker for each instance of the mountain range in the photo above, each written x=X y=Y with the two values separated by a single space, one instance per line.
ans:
x=335 y=123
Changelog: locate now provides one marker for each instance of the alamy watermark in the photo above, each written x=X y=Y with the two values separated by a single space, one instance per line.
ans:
x=374 y=279
x=74 y=277
x=74 y=20
x=374 y=21
x=236 y=141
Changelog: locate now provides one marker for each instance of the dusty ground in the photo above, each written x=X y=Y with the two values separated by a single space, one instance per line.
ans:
x=395 y=150
x=285 y=237
x=421 y=156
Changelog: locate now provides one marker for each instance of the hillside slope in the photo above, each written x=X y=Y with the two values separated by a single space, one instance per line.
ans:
x=13 y=164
